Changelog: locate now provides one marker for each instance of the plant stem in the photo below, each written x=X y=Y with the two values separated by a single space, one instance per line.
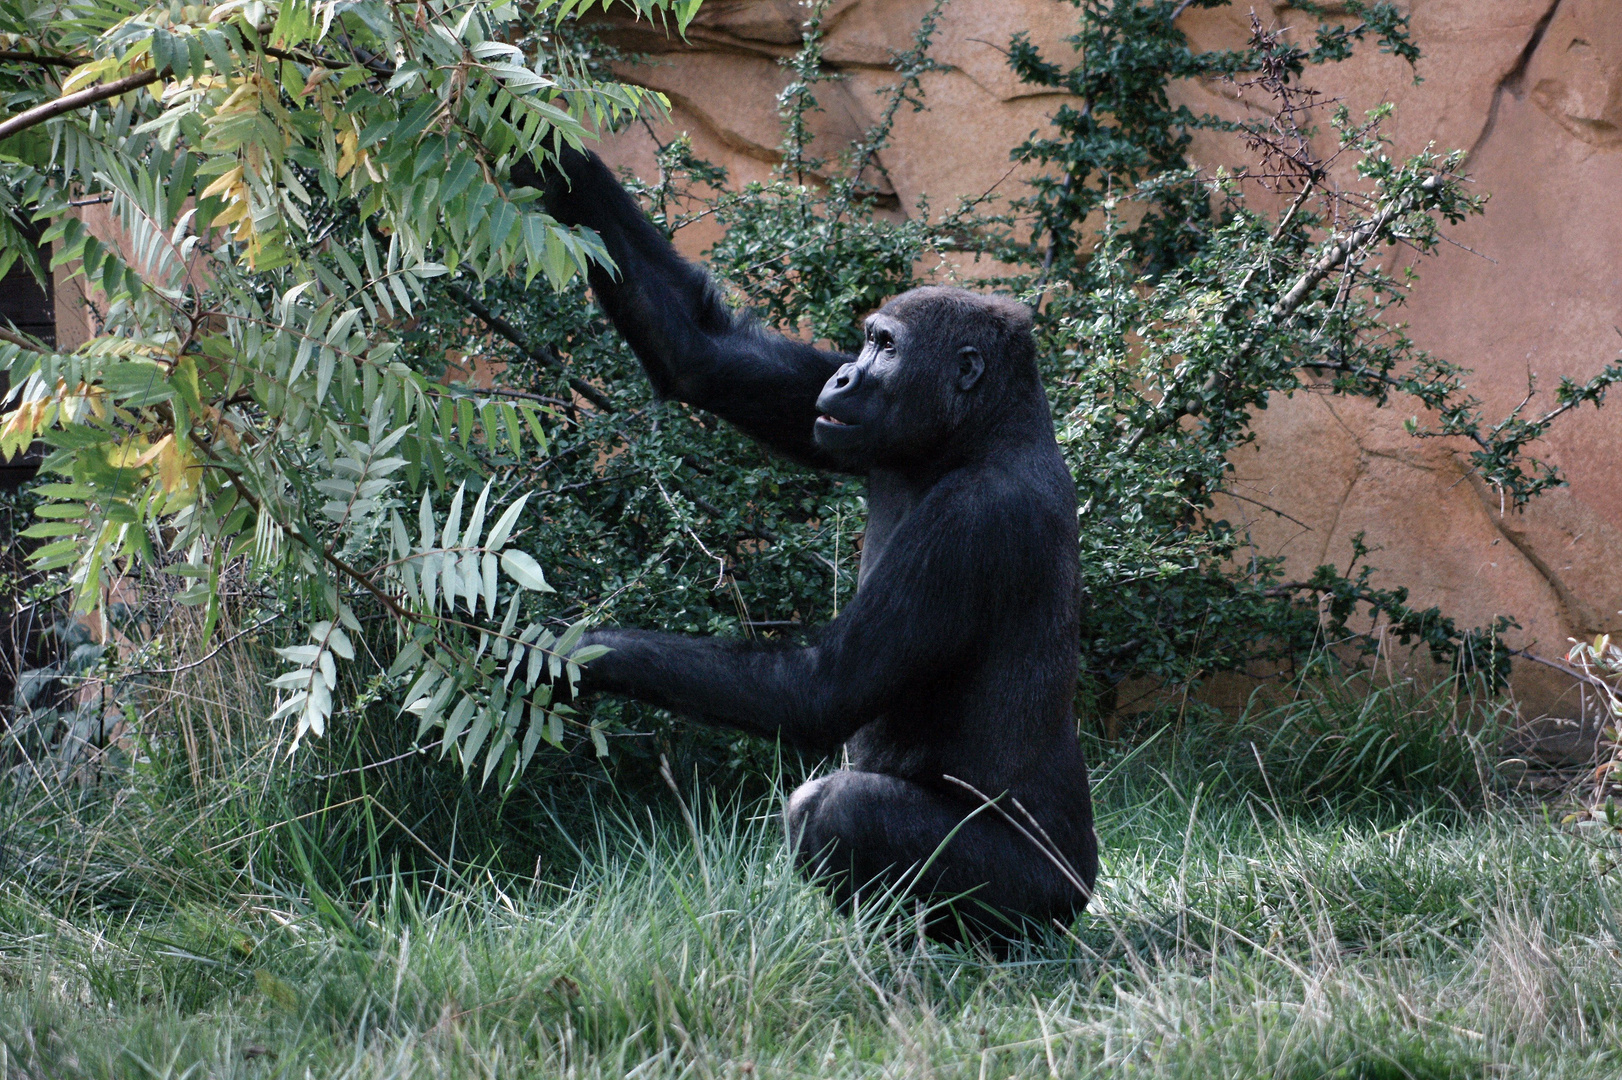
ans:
x=548 y=358
x=76 y=100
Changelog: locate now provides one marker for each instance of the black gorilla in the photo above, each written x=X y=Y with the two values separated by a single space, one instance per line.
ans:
x=950 y=675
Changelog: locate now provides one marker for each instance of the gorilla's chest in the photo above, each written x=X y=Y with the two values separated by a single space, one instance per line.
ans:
x=890 y=499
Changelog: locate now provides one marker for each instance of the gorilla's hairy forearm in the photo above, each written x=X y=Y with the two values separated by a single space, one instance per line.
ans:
x=763 y=690
x=694 y=348
x=663 y=305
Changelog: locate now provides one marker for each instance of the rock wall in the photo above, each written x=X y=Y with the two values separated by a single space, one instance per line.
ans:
x=1532 y=88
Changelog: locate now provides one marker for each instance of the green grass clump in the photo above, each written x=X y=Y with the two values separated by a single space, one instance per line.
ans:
x=1349 y=740
x=1234 y=935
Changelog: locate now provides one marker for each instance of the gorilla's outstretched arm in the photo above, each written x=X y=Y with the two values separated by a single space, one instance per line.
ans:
x=863 y=664
x=695 y=349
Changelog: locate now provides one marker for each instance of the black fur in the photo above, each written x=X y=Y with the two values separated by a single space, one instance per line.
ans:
x=955 y=663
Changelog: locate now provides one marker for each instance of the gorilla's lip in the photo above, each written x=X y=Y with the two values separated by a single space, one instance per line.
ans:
x=832 y=433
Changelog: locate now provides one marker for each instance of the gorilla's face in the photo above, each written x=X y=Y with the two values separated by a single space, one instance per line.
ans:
x=898 y=398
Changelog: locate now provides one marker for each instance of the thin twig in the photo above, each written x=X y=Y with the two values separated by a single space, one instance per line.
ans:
x=1566 y=669
x=413 y=752
x=40 y=58
x=279 y=824
x=753 y=530
x=214 y=652
x=1331 y=258
x=360 y=578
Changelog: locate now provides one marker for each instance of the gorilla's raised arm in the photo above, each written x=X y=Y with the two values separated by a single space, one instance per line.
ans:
x=694 y=348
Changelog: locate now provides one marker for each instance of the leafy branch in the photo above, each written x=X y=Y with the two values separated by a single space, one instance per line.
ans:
x=287 y=180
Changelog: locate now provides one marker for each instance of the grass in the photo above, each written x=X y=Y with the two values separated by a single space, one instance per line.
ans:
x=1239 y=931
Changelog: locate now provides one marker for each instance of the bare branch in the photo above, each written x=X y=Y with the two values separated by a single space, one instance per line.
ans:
x=40 y=58
x=76 y=100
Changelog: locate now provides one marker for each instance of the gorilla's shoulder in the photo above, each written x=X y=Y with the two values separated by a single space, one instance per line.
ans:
x=984 y=494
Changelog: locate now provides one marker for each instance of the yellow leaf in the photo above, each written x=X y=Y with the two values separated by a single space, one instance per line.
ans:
x=85 y=74
x=129 y=455
x=174 y=466
x=348 y=142
x=237 y=210
x=16 y=432
x=150 y=454
x=224 y=182
x=244 y=98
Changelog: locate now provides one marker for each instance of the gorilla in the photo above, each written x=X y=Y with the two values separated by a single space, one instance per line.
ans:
x=948 y=679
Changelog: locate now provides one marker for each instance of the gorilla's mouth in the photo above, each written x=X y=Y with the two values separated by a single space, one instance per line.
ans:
x=832 y=433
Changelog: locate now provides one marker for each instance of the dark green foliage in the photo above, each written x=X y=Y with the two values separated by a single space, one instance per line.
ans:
x=1124 y=139
x=813 y=251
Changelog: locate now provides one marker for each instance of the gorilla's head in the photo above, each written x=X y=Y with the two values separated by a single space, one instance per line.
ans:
x=940 y=369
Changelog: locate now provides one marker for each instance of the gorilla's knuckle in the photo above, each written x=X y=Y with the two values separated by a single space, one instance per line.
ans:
x=803 y=803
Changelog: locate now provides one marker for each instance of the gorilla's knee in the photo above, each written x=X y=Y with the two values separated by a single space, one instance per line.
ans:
x=800 y=819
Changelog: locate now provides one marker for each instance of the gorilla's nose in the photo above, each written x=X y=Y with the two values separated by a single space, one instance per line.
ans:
x=839 y=390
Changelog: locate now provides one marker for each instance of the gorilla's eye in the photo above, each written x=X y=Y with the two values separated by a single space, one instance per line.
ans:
x=886 y=342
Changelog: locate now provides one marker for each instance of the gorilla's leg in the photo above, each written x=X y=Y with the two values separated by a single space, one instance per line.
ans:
x=862 y=833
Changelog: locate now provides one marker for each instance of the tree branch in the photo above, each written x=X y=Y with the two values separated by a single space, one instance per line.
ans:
x=77 y=100
x=1566 y=669
x=20 y=341
x=548 y=358
x=1341 y=248
x=361 y=578
x=1332 y=258
x=333 y=63
x=39 y=58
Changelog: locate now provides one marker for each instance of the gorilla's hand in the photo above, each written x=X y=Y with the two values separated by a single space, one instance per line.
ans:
x=565 y=184
x=563 y=665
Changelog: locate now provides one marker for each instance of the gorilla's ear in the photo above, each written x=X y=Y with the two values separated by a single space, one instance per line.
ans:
x=969 y=367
